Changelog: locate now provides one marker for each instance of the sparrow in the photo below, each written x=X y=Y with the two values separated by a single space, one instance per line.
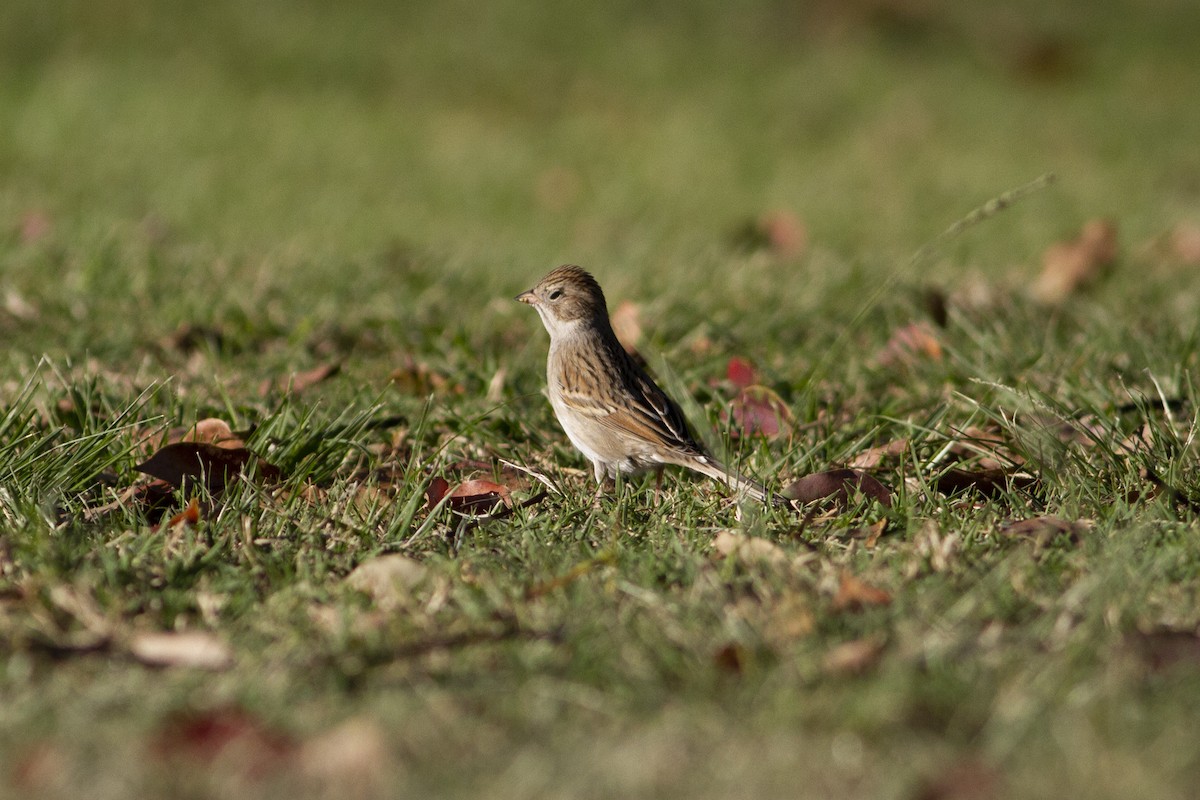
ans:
x=611 y=410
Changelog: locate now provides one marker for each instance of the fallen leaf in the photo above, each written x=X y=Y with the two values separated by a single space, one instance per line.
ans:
x=1069 y=266
x=184 y=464
x=991 y=482
x=1164 y=648
x=189 y=516
x=478 y=496
x=438 y=488
x=1185 y=243
x=854 y=594
x=730 y=657
x=837 y=484
x=300 y=381
x=626 y=322
x=214 y=431
x=740 y=373
x=910 y=344
x=748 y=548
x=756 y=411
x=196 y=649
x=965 y=780
x=854 y=657
x=1043 y=529
x=390 y=580
x=779 y=231
x=240 y=741
x=873 y=456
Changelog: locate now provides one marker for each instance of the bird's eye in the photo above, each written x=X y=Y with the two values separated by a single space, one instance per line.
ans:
x=557 y=293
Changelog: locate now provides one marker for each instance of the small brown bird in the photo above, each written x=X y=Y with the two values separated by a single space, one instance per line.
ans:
x=611 y=410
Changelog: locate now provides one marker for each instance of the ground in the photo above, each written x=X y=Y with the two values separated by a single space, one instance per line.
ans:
x=309 y=224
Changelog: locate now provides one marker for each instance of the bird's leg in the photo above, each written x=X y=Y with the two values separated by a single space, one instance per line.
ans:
x=599 y=471
x=658 y=473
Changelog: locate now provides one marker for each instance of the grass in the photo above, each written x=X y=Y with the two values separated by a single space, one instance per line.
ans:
x=198 y=207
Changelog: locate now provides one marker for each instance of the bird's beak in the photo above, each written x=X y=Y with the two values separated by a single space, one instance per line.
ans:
x=529 y=298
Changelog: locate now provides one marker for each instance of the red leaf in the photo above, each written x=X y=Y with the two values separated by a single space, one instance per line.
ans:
x=184 y=464
x=740 y=373
x=206 y=736
x=838 y=485
x=435 y=491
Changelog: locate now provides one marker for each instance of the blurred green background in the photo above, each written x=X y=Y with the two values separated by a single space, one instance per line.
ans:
x=511 y=136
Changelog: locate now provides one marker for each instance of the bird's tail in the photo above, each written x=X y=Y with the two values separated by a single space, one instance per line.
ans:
x=707 y=465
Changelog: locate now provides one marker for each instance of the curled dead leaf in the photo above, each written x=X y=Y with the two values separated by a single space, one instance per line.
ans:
x=1072 y=265
x=186 y=464
x=854 y=657
x=910 y=344
x=1045 y=528
x=214 y=431
x=873 y=456
x=838 y=485
x=991 y=482
x=855 y=594
x=298 y=382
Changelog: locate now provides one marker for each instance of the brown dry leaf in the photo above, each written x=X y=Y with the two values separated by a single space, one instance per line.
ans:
x=748 y=549
x=1163 y=648
x=779 y=231
x=1069 y=266
x=910 y=344
x=756 y=411
x=873 y=456
x=731 y=657
x=988 y=448
x=300 y=381
x=1043 y=529
x=837 y=484
x=438 y=488
x=991 y=482
x=965 y=780
x=185 y=464
x=196 y=649
x=854 y=657
x=872 y=533
x=351 y=759
x=214 y=431
x=626 y=322
x=478 y=496
x=189 y=516
x=855 y=594
x=1185 y=243
x=390 y=580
